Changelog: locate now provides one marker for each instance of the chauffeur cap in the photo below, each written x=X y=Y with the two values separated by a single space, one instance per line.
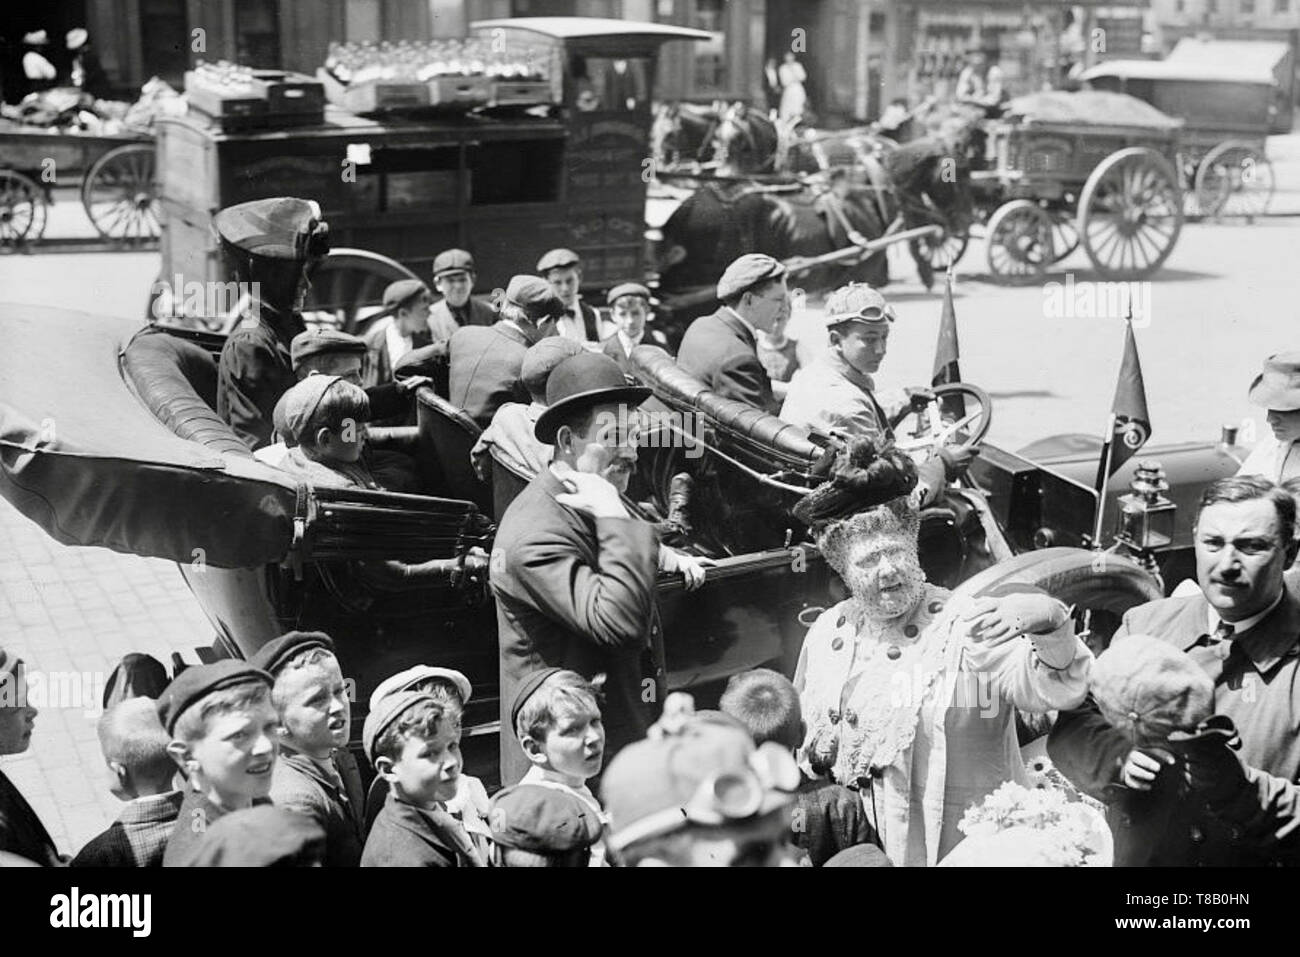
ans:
x=1278 y=386
x=284 y=228
x=452 y=261
x=558 y=259
x=747 y=272
x=542 y=820
x=194 y=684
x=320 y=341
x=275 y=654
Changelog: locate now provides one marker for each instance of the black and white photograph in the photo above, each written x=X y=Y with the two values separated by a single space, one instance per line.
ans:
x=651 y=433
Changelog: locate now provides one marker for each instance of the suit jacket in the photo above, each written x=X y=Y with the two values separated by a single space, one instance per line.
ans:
x=138 y=837
x=720 y=350
x=379 y=364
x=1258 y=687
x=485 y=364
x=404 y=835
x=593 y=324
x=21 y=831
x=443 y=323
x=337 y=805
x=254 y=371
x=579 y=593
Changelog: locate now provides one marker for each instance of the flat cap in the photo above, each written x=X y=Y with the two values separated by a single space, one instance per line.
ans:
x=260 y=836
x=527 y=687
x=275 y=654
x=543 y=820
x=857 y=302
x=452 y=260
x=558 y=259
x=297 y=406
x=627 y=289
x=408 y=679
x=746 y=272
x=323 y=341
x=195 y=683
x=1147 y=688
x=279 y=228
x=541 y=359
x=535 y=296
x=385 y=712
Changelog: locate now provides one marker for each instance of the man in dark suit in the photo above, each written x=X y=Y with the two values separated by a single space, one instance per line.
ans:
x=21 y=831
x=268 y=245
x=572 y=571
x=486 y=362
x=453 y=276
x=1215 y=806
x=722 y=349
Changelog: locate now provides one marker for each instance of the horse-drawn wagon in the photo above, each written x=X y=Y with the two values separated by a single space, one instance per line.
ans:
x=1231 y=96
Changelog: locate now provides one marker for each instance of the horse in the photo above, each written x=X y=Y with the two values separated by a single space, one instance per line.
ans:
x=684 y=132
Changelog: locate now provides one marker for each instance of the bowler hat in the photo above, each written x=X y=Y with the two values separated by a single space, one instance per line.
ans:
x=452 y=261
x=747 y=272
x=541 y=359
x=579 y=383
x=1278 y=386
x=558 y=259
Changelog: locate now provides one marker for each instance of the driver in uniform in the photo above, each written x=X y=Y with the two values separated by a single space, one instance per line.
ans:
x=837 y=393
x=269 y=245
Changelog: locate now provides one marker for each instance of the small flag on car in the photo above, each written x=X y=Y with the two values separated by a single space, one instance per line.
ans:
x=1130 y=423
x=946 y=355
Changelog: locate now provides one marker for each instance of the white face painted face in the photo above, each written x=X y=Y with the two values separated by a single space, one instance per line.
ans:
x=884 y=574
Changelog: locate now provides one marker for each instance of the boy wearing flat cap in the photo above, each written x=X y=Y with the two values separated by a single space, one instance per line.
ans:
x=486 y=362
x=324 y=420
x=224 y=738
x=629 y=307
x=415 y=746
x=311 y=700
x=538 y=826
x=21 y=831
x=270 y=245
x=721 y=349
x=402 y=326
x=1277 y=389
x=573 y=572
x=562 y=268
x=453 y=277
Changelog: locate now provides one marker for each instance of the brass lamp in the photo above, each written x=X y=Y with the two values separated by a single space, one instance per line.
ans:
x=1146 y=519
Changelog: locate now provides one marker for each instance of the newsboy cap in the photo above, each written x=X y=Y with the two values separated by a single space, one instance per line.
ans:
x=323 y=341
x=451 y=261
x=534 y=296
x=293 y=412
x=275 y=654
x=558 y=259
x=627 y=289
x=541 y=359
x=195 y=683
x=260 y=836
x=542 y=820
x=384 y=714
x=747 y=272
x=408 y=679
x=281 y=228
x=1147 y=688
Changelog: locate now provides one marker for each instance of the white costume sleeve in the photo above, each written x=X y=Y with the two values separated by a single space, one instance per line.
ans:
x=1022 y=678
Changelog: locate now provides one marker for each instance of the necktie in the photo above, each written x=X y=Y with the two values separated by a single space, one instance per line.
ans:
x=1212 y=650
x=1222 y=632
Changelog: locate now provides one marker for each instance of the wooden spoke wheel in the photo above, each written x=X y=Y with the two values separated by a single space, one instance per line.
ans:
x=119 y=193
x=941 y=251
x=1234 y=179
x=1065 y=236
x=348 y=285
x=1130 y=213
x=1020 y=243
x=22 y=209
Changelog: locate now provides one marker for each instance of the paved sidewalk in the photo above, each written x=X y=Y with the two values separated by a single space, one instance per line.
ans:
x=80 y=610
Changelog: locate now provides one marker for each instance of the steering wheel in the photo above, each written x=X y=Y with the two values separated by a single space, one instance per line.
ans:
x=938 y=425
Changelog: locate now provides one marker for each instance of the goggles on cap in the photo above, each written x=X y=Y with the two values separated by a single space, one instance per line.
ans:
x=728 y=797
x=871 y=313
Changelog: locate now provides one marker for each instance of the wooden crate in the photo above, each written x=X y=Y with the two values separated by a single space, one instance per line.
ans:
x=520 y=92
x=459 y=92
x=364 y=98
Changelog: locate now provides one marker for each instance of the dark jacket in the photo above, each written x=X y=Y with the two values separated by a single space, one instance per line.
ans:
x=1258 y=687
x=379 y=364
x=484 y=374
x=299 y=784
x=193 y=818
x=255 y=370
x=579 y=593
x=21 y=831
x=829 y=818
x=721 y=351
x=443 y=323
x=138 y=837
x=404 y=835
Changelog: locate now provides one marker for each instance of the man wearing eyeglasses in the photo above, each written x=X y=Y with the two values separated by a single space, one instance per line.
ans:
x=722 y=348
x=699 y=794
x=838 y=394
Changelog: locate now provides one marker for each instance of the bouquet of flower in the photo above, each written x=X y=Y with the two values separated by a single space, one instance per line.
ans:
x=1047 y=825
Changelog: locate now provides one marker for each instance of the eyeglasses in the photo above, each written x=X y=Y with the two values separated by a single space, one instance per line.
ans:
x=871 y=313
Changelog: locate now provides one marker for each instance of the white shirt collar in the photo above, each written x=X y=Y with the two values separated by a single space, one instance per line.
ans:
x=398 y=342
x=748 y=325
x=1239 y=628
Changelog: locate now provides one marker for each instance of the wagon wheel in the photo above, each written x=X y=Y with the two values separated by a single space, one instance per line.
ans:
x=22 y=209
x=1234 y=179
x=940 y=251
x=348 y=282
x=1065 y=236
x=1020 y=242
x=119 y=194
x=1130 y=213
